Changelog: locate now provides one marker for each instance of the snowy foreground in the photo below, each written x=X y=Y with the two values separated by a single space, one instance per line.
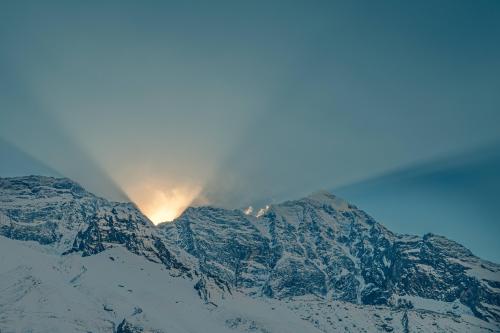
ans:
x=73 y=262
x=43 y=292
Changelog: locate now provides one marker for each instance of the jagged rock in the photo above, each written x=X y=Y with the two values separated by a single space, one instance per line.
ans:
x=126 y=327
x=324 y=246
x=59 y=212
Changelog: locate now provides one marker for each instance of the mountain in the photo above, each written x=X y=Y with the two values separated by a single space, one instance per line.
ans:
x=71 y=261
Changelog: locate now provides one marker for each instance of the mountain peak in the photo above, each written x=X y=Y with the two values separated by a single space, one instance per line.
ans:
x=38 y=183
x=324 y=197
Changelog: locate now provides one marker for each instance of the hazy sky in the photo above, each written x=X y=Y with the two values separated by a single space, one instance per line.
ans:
x=457 y=196
x=236 y=103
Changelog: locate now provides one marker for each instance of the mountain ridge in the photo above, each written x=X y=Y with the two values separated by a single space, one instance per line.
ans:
x=319 y=246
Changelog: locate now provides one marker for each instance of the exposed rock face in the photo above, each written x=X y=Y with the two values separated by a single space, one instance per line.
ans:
x=44 y=209
x=60 y=213
x=126 y=327
x=324 y=246
x=319 y=245
x=133 y=325
x=119 y=226
x=225 y=243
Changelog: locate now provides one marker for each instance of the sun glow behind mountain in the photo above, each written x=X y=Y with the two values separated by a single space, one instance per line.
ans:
x=160 y=203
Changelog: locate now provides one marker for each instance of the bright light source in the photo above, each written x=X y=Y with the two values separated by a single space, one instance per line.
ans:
x=162 y=205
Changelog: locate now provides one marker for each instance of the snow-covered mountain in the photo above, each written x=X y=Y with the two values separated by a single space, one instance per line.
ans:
x=74 y=262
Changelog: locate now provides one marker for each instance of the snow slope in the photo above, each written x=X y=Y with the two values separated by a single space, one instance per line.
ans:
x=48 y=293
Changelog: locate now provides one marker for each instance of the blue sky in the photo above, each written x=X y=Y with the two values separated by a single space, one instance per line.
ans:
x=233 y=103
x=455 y=196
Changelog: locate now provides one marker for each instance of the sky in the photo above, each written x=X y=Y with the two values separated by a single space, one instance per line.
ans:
x=456 y=196
x=177 y=103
